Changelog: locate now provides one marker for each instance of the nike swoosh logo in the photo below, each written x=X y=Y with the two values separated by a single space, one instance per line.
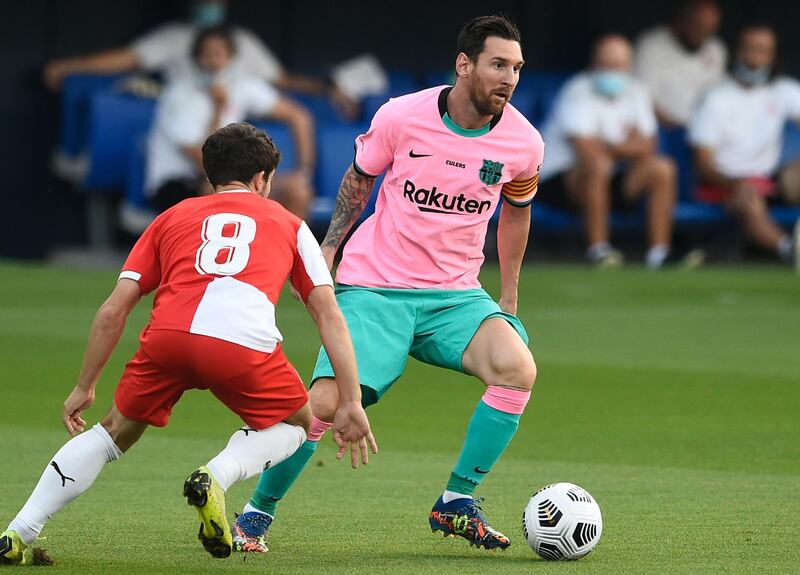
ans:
x=411 y=154
x=479 y=470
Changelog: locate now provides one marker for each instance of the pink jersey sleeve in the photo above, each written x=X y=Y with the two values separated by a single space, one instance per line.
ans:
x=521 y=190
x=375 y=149
x=143 y=264
x=309 y=269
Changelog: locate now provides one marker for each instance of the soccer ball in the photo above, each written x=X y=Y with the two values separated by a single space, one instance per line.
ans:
x=562 y=521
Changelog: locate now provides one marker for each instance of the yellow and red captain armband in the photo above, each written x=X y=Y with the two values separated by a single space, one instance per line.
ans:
x=521 y=192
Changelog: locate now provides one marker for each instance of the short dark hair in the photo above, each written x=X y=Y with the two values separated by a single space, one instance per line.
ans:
x=685 y=8
x=238 y=152
x=472 y=38
x=222 y=31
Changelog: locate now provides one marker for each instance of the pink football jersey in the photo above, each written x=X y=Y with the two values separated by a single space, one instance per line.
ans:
x=442 y=185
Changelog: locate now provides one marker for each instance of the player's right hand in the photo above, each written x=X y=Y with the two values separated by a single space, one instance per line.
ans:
x=78 y=401
x=351 y=427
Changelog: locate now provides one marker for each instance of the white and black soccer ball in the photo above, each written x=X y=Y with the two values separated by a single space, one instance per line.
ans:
x=562 y=522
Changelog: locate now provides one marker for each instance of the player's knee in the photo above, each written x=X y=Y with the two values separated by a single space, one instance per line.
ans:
x=790 y=183
x=514 y=370
x=664 y=171
x=324 y=399
x=123 y=431
x=301 y=418
x=597 y=165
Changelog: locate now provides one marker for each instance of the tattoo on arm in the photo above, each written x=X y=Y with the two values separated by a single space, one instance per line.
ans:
x=350 y=202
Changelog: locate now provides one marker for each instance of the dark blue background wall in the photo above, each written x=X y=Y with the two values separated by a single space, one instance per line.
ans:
x=413 y=35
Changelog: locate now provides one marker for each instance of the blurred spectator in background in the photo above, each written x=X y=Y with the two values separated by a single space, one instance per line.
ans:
x=601 y=146
x=737 y=133
x=216 y=93
x=680 y=61
x=167 y=50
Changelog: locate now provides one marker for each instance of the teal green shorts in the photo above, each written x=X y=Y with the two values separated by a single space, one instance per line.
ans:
x=388 y=325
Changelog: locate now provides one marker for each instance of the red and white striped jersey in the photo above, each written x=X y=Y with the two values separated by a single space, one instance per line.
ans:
x=219 y=263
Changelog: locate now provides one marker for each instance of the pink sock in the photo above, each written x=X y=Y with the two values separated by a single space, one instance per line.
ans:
x=506 y=399
x=318 y=429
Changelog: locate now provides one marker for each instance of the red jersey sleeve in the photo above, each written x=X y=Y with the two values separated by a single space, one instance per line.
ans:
x=143 y=264
x=309 y=269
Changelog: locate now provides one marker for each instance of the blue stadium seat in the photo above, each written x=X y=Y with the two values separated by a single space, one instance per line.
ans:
x=115 y=122
x=548 y=220
x=283 y=140
x=335 y=156
x=545 y=85
x=323 y=110
x=672 y=142
x=439 y=78
x=525 y=100
x=400 y=83
x=137 y=162
x=75 y=96
x=791 y=143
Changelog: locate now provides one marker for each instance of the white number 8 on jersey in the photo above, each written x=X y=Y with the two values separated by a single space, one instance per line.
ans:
x=225 y=255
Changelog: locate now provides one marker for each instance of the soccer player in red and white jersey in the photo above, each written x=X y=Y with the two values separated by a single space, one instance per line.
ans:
x=218 y=264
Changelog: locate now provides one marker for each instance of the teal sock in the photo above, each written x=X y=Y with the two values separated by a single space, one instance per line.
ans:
x=276 y=481
x=488 y=434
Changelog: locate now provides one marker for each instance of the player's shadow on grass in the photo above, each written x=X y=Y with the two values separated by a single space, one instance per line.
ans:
x=468 y=554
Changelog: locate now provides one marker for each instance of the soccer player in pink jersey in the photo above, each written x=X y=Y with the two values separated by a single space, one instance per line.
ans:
x=217 y=264
x=408 y=279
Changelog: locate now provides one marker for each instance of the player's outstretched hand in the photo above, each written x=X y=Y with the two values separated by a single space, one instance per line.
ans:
x=351 y=427
x=78 y=401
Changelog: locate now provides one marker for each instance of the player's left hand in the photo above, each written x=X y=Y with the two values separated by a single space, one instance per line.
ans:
x=78 y=401
x=508 y=305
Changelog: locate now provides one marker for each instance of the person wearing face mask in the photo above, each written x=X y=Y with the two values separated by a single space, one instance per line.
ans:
x=214 y=95
x=602 y=151
x=167 y=50
x=737 y=135
x=680 y=61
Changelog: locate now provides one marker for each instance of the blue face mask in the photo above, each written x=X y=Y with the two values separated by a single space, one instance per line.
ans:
x=609 y=84
x=208 y=14
x=751 y=76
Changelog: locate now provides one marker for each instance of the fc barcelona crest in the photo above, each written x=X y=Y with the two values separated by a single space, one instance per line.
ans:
x=491 y=172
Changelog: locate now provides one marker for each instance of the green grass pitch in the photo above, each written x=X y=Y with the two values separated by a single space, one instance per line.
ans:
x=673 y=397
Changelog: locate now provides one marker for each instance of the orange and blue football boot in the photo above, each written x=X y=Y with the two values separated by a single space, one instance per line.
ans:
x=250 y=532
x=464 y=517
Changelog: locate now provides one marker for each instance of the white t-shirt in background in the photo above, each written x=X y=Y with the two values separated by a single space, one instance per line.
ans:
x=676 y=77
x=168 y=49
x=183 y=119
x=744 y=126
x=580 y=111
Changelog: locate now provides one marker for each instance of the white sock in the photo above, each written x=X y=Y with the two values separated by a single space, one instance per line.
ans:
x=250 y=509
x=449 y=496
x=598 y=250
x=71 y=472
x=656 y=256
x=785 y=248
x=250 y=452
